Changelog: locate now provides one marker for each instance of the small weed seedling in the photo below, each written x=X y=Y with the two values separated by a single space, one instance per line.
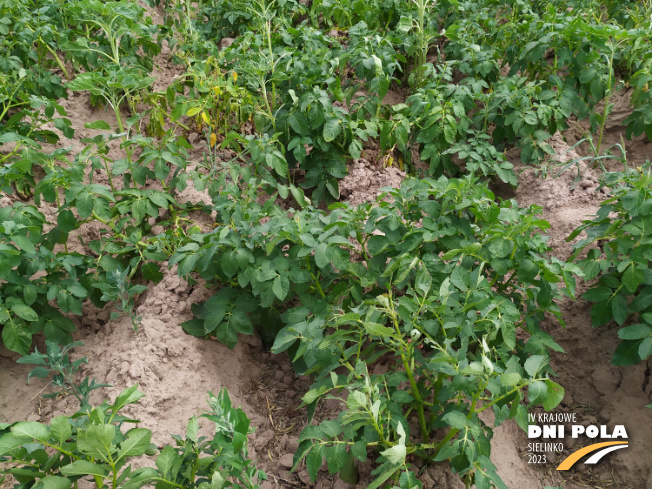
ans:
x=56 y=362
x=118 y=288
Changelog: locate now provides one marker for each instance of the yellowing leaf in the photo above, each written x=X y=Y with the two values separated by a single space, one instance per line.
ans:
x=235 y=76
x=213 y=139
x=205 y=118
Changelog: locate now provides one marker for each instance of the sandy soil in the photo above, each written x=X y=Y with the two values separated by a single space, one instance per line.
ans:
x=175 y=370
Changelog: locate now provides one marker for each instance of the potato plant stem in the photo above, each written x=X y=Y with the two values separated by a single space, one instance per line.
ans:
x=422 y=39
x=62 y=67
x=315 y=278
x=417 y=397
x=405 y=347
x=116 y=108
x=65 y=245
x=606 y=110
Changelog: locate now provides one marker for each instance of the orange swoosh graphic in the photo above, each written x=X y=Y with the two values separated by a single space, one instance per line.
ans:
x=574 y=457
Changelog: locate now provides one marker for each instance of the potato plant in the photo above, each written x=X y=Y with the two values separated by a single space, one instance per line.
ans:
x=441 y=303
x=42 y=281
x=621 y=262
x=33 y=305
x=91 y=446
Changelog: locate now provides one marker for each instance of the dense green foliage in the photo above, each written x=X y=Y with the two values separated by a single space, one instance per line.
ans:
x=418 y=311
x=622 y=230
